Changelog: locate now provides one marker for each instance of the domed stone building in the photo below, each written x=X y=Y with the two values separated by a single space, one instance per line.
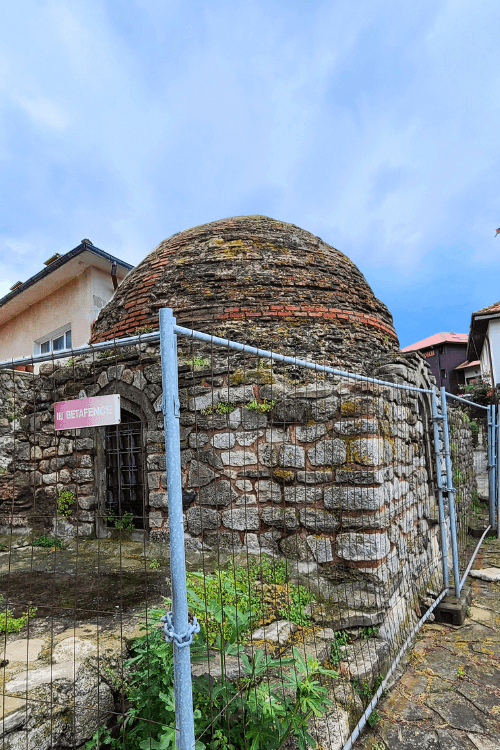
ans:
x=259 y=280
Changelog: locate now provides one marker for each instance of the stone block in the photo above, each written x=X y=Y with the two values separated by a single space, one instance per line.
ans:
x=268 y=454
x=158 y=499
x=238 y=458
x=197 y=440
x=247 y=500
x=156 y=462
x=366 y=476
x=128 y=377
x=278 y=632
x=218 y=493
x=303 y=494
x=140 y=381
x=204 y=401
x=252 y=419
x=321 y=547
x=357 y=427
x=328 y=453
x=82 y=475
x=315 y=477
x=223 y=440
x=356 y=547
x=115 y=372
x=65 y=447
x=84 y=444
x=223 y=539
x=237 y=395
x=87 y=502
x=268 y=492
x=241 y=519
x=354 y=498
x=371 y=451
x=153 y=373
x=324 y=409
x=310 y=433
x=199 y=519
x=244 y=485
x=291 y=456
x=283 y=518
x=248 y=437
x=289 y=412
x=317 y=520
x=199 y=474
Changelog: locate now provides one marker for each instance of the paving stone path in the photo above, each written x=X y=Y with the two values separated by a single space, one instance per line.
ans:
x=448 y=697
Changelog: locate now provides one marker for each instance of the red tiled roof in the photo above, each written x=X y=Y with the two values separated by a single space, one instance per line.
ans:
x=494 y=308
x=438 y=338
x=467 y=364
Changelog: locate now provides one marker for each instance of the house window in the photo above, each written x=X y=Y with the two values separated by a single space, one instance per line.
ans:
x=57 y=341
x=124 y=472
x=443 y=373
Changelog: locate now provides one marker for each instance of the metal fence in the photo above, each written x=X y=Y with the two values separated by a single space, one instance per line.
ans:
x=300 y=522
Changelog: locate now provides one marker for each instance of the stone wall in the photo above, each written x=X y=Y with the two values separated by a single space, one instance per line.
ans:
x=333 y=472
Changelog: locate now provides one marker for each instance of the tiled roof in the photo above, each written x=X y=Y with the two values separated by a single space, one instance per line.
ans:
x=494 y=308
x=438 y=338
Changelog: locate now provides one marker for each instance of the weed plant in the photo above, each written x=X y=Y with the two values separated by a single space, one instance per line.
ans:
x=48 y=542
x=228 y=715
x=255 y=595
x=11 y=624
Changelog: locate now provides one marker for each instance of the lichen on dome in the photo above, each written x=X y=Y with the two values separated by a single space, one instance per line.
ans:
x=259 y=280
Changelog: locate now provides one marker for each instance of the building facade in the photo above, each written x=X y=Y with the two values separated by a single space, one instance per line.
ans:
x=54 y=310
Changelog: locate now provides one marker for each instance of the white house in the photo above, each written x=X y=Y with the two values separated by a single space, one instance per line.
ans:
x=55 y=308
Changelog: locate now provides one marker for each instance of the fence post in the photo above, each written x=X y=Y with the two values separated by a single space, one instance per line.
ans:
x=451 y=492
x=176 y=623
x=496 y=454
x=491 y=499
x=439 y=481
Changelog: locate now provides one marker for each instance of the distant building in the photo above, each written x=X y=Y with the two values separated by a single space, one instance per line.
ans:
x=55 y=308
x=444 y=352
x=484 y=342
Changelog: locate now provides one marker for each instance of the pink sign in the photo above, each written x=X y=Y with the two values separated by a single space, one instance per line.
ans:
x=87 y=412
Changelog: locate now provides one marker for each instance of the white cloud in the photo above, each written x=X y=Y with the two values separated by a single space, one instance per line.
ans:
x=43 y=111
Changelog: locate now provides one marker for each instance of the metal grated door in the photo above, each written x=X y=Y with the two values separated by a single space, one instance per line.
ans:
x=124 y=471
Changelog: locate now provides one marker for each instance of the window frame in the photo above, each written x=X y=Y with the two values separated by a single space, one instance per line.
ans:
x=49 y=338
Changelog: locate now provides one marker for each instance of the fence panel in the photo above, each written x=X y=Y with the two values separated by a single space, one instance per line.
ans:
x=83 y=585
x=471 y=506
x=313 y=533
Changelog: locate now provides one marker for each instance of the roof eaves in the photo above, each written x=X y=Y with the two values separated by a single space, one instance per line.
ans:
x=81 y=248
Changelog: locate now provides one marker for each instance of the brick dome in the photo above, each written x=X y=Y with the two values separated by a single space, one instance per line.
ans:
x=261 y=281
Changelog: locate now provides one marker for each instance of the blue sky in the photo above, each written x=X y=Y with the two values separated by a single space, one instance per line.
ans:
x=371 y=123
